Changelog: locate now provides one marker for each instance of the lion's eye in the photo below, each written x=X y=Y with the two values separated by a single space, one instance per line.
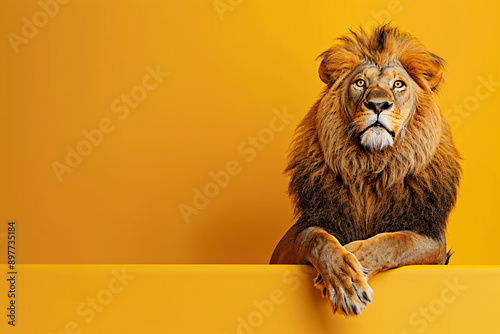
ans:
x=360 y=83
x=399 y=84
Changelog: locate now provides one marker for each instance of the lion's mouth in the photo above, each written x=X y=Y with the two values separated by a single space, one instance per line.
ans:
x=377 y=123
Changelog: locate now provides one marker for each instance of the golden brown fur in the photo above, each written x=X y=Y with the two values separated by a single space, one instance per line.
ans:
x=385 y=205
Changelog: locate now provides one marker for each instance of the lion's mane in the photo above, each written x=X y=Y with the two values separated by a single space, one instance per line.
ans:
x=354 y=193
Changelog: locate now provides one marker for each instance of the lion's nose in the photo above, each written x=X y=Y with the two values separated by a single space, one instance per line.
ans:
x=378 y=107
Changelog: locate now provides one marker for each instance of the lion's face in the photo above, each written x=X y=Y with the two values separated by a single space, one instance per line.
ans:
x=380 y=98
x=379 y=101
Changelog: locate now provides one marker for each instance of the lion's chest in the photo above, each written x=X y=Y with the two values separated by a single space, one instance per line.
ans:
x=370 y=208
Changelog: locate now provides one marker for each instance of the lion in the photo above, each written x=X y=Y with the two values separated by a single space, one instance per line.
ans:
x=374 y=171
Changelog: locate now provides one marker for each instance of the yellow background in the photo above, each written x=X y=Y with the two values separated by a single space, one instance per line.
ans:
x=228 y=74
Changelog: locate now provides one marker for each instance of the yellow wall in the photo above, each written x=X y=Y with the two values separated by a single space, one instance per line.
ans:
x=230 y=73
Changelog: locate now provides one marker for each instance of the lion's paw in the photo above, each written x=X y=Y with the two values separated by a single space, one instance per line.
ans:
x=344 y=282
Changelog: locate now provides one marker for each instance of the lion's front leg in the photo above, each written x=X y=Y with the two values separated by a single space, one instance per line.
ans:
x=341 y=277
x=391 y=250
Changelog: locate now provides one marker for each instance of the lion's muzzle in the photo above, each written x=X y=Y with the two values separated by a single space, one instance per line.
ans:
x=377 y=132
x=378 y=100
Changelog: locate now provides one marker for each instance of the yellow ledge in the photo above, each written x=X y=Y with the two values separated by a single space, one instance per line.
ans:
x=244 y=299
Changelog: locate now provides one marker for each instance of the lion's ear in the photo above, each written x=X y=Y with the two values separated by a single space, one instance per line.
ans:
x=425 y=68
x=435 y=73
x=323 y=74
x=335 y=63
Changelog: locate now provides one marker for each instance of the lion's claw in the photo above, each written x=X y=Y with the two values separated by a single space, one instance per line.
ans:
x=345 y=304
x=357 y=293
x=334 y=300
x=345 y=285
x=366 y=297
x=356 y=309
